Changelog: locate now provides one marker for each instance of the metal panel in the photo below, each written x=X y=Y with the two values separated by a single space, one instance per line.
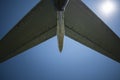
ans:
x=37 y=26
x=85 y=27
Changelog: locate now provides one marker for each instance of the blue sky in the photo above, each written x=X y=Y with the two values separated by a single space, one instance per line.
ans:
x=44 y=62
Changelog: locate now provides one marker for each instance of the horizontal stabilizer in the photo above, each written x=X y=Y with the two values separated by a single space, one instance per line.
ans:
x=85 y=27
x=37 y=26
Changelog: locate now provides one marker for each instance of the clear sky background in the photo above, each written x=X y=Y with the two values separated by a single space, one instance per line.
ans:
x=44 y=62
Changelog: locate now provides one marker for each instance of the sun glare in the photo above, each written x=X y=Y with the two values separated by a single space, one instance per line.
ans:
x=107 y=7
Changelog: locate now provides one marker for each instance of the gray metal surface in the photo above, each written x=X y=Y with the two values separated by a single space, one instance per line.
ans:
x=81 y=24
x=85 y=27
x=37 y=26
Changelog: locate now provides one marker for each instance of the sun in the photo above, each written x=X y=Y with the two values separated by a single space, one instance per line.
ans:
x=107 y=7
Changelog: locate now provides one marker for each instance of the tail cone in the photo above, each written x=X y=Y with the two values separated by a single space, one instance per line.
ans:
x=60 y=29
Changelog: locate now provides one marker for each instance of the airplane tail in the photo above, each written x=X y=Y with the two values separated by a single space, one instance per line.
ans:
x=60 y=29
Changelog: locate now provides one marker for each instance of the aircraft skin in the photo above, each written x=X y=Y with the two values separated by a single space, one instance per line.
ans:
x=60 y=6
x=76 y=21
